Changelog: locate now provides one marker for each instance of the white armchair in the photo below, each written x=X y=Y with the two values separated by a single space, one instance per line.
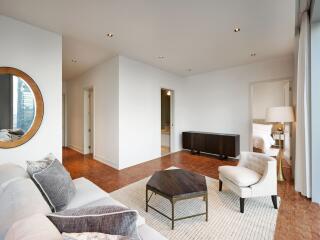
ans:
x=255 y=176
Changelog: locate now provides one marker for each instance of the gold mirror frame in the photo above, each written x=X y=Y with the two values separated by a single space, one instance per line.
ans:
x=39 y=107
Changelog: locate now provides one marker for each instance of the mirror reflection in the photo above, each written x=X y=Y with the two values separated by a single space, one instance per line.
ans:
x=17 y=107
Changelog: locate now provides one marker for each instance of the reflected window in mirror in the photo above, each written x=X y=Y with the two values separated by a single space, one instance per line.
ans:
x=23 y=105
x=17 y=107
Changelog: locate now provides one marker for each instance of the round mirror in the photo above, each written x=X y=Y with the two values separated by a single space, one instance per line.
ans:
x=21 y=107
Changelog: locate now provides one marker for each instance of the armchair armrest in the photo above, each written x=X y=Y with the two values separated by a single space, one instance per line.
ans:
x=268 y=183
x=267 y=167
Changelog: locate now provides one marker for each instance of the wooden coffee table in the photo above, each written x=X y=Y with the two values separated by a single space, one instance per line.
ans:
x=176 y=185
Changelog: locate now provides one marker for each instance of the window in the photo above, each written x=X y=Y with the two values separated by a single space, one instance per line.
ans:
x=23 y=105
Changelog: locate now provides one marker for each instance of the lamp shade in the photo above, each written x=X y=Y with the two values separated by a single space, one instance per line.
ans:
x=280 y=114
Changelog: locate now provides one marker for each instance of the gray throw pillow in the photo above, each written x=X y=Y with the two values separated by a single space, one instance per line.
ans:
x=56 y=184
x=114 y=220
x=37 y=166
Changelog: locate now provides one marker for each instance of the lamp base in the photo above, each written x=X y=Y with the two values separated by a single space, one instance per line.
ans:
x=280 y=177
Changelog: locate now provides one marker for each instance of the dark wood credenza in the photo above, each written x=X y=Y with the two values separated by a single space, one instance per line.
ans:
x=224 y=145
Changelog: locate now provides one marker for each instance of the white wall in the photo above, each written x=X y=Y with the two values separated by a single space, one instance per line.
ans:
x=127 y=111
x=39 y=54
x=104 y=81
x=315 y=112
x=267 y=94
x=219 y=101
x=140 y=111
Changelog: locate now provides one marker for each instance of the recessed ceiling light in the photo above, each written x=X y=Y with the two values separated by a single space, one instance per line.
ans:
x=110 y=35
x=189 y=70
x=160 y=57
x=236 y=29
x=74 y=60
x=253 y=54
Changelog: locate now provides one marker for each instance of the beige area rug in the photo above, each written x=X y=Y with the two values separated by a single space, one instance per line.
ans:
x=225 y=221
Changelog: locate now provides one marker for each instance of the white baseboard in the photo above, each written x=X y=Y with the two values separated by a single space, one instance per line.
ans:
x=104 y=161
x=140 y=162
x=75 y=148
x=95 y=157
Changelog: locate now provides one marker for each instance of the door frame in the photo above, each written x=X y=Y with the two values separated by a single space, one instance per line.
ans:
x=64 y=120
x=251 y=85
x=172 y=119
x=86 y=120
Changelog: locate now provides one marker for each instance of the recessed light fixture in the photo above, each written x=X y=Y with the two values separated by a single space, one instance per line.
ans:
x=236 y=29
x=160 y=57
x=110 y=35
x=189 y=70
x=253 y=54
x=74 y=60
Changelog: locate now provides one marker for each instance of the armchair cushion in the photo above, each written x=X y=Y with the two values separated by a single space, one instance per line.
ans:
x=241 y=176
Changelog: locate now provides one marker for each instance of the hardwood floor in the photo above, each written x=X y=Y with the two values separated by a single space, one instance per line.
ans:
x=298 y=218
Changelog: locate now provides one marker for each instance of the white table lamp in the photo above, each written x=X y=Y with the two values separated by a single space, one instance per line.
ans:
x=283 y=114
x=280 y=114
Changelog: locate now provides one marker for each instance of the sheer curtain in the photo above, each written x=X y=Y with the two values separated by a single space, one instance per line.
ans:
x=302 y=154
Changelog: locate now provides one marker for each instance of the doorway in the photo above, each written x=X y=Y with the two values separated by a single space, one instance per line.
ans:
x=88 y=121
x=64 y=121
x=166 y=120
x=268 y=137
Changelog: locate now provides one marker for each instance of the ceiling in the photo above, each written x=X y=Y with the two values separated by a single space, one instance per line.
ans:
x=189 y=34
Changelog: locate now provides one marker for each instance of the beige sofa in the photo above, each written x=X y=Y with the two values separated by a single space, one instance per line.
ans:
x=21 y=199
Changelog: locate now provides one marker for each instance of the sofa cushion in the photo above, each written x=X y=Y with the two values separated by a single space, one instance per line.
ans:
x=35 y=227
x=20 y=199
x=240 y=176
x=56 y=184
x=114 y=220
x=86 y=192
x=89 y=195
x=108 y=201
x=10 y=172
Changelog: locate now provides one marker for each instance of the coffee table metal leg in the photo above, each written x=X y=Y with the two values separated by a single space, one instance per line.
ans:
x=206 y=207
x=172 y=216
x=146 y=200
